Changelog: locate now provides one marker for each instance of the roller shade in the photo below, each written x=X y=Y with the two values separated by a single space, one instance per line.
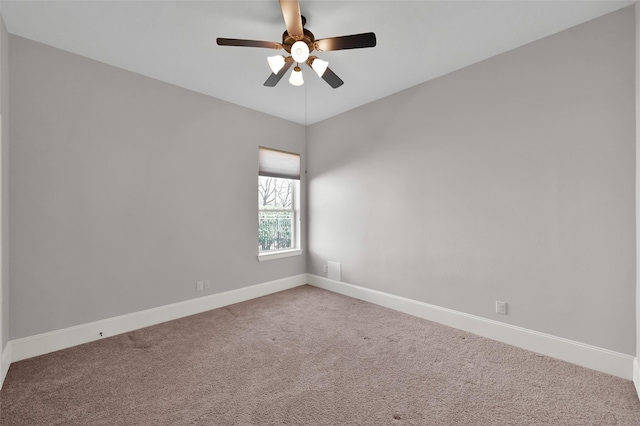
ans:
x=279 y=164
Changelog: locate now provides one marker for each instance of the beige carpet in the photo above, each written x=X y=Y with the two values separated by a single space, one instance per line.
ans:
x=308 y=357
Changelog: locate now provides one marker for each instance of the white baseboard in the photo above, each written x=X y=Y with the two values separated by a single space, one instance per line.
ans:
x=5 y=362
x=607 y=361
x=44 y=343
x=636 y=376
x=589 y=356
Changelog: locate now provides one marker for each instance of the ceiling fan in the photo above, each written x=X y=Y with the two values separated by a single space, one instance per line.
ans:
x=299 y=43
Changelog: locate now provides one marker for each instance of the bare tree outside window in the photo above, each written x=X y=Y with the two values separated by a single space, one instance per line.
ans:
x=275 y=213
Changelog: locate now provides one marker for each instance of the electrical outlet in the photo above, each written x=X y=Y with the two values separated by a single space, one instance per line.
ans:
x=200 y=286
x=207 y=284
x=501 y=308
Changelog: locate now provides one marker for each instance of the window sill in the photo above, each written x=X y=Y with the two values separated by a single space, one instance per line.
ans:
x=279 y=254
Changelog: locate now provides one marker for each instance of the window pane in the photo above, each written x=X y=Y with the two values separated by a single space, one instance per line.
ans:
x=275 y=193
x=275 y=230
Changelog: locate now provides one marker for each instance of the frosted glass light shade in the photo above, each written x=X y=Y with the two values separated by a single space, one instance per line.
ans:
x=296 y=77
x=300 y=51
x=276 y=63
x=319 y=66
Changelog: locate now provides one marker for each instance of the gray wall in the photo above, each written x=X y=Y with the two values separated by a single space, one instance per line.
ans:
x=512 y=179
x=4 y=111
x=124 y=191
x=637 y=55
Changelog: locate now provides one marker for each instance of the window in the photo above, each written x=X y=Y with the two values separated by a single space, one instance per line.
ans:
x=278 y=204
x=276 y=214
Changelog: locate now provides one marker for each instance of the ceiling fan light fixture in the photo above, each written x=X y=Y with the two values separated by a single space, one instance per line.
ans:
x=319 y=66
x=296 y=77
x=276 y=63
x=300 y=51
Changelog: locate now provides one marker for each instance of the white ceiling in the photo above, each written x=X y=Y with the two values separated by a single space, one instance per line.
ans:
x=175 y=41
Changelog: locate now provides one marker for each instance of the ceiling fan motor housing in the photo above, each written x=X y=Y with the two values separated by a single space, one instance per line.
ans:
x=308 y=38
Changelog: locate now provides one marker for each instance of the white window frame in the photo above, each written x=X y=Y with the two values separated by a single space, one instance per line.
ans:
x=296 y=224
x=295 y=228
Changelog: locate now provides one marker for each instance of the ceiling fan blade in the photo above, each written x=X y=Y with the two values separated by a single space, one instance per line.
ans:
x=292 y=17
x=275 y=78
x=331 y=78
x=248 y=43
x=354 y=41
